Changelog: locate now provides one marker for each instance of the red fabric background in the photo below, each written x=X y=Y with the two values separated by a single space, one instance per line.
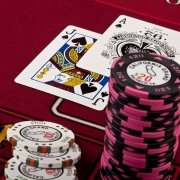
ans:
x=27 y=27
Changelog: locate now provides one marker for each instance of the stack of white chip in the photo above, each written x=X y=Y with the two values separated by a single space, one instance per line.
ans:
x=42 y=150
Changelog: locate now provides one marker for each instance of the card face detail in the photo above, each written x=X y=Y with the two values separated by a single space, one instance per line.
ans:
x=54 y=70
x=128 y=35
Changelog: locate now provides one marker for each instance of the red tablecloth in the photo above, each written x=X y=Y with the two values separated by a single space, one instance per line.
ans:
x=26 y=27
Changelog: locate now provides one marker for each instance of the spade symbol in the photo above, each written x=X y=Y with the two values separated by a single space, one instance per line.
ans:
x=65 y=37
x=123 y=21
x=104 y=94
x=118 y=25
x=88 y=88
x=82 y=41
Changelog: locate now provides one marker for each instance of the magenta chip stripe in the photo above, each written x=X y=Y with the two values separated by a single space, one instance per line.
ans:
x=138 y=93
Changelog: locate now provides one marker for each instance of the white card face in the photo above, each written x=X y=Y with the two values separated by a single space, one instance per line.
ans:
x=128 y=35
x=54 y=70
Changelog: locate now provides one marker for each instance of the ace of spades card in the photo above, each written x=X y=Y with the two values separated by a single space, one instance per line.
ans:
x=128 y=35
x=54 y=70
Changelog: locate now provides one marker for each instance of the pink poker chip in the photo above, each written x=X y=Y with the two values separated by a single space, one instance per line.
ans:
x=142 y=118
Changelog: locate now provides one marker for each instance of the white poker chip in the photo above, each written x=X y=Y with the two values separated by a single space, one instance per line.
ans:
x=15 y=170
x=40 y=136
x=60 y=159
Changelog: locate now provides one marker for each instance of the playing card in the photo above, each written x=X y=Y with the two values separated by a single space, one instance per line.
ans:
x=128 y=35
x=54 y=70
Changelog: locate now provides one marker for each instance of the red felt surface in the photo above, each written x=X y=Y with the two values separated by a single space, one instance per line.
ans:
x=158 y=11
x=26 y=27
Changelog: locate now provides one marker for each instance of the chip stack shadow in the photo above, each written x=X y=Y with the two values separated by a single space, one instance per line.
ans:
x=142 y=118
